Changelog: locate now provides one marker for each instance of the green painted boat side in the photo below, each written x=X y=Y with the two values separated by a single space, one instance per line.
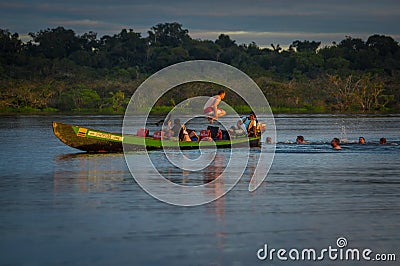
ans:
x=95 y=141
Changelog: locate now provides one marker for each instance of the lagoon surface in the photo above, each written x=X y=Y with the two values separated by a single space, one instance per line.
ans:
x=62 y=207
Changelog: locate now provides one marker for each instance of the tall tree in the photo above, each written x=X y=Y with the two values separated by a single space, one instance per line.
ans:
x=305 y=46
x=10 y=49
x=126 y=49
x=168 y=34
x=55 y=43
x=385 y=45
x=224 y=41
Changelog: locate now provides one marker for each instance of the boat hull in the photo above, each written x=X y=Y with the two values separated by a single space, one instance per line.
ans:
x=96 y=141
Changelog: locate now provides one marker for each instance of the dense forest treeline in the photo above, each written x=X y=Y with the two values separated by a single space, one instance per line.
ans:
x=59 y=70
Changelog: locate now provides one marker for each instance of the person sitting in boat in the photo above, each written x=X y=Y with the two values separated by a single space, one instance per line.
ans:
x=184 y=134
x=193 y=136
x=187 y=134
x=237 y=130
x=335 y=144
x=176 y=128
x=211 y=109
x=167 y=127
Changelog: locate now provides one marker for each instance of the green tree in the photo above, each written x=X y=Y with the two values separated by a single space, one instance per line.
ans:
x=168 y=34
x=10 y=47
x=118 y=101
x=224 y=41
x=126 y=49
x=385 y=45
x=79 y=98
x=160 y=57
x=206 y=50
x=55 y=43
x=305 y=46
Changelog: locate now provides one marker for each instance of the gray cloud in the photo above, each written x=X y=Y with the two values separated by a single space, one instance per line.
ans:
x=264 y=22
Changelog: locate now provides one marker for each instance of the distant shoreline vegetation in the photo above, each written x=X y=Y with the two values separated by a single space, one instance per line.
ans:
x=59 y=71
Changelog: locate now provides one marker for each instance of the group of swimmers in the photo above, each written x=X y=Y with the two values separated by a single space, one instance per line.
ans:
x=335 y=143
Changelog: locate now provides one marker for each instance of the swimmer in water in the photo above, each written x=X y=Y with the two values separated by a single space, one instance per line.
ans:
x=382 y=141
x=361 y=140
x=335 y=144
x=300 y=140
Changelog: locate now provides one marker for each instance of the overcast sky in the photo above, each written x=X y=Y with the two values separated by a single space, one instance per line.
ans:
x=264 y=22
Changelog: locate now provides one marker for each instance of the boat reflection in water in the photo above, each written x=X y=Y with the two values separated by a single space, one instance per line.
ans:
x=101 y=180
x=85 y=172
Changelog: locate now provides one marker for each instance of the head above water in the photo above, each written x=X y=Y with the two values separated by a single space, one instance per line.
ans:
x=361 y=140
x=335 y=142
x=382 y=141
x=299 y=139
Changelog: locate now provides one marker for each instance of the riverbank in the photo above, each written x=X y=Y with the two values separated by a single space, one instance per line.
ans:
x=163 y=110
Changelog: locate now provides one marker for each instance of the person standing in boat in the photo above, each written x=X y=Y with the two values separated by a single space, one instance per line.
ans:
x=211 y=109
x=252 y=126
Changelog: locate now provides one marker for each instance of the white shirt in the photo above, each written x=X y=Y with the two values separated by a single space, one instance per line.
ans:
x=213 y=101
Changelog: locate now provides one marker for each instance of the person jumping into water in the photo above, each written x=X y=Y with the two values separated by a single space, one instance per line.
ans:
x=211 y=107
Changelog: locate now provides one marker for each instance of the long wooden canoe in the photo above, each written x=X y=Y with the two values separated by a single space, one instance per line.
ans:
x=97 y=141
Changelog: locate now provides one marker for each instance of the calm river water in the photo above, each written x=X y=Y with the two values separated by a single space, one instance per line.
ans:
x=62 y=207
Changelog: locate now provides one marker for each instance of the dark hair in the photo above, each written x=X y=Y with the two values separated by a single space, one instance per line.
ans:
x=335 y=140
x=301 y=138
x=221 y=92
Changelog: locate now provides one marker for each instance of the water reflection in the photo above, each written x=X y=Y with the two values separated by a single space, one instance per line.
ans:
x=214 y=173
x=88 y=172
x=305 y=204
